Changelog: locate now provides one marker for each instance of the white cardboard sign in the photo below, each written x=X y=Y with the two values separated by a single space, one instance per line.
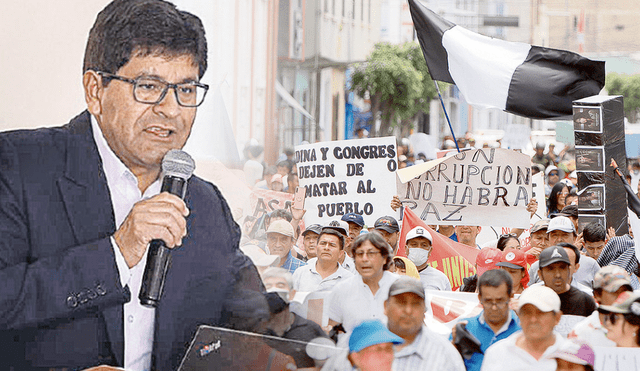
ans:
x=487 y=186
x=348 y=176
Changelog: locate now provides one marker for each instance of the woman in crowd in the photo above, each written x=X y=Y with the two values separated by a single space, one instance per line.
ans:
x=622 y=320
x=508 y=241
x=572 y=198
x=556 y=200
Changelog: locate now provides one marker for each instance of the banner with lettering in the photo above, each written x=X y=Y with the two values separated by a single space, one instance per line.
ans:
x=487 y=186
x=454 y=259
x=264 y=201
x=348 y=176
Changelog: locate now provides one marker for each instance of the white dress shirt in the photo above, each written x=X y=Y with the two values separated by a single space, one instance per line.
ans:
x=138 y=320
x=351 y=301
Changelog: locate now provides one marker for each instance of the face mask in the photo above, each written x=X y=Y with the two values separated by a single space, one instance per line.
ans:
x=418 y=256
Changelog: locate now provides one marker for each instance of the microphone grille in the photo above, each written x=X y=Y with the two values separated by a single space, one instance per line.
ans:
x=178 y=163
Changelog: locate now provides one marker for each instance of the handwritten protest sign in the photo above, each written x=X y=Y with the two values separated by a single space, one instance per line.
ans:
x=264 y=201
x=488 y=186
x=349 y=176
x=616 y=359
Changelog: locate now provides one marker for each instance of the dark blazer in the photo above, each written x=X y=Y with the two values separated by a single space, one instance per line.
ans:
x=60 y=295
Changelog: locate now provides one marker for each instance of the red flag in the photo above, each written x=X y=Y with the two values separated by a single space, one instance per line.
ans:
x=454 y=259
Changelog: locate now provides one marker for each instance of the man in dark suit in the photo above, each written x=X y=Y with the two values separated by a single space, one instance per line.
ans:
x=80 y=203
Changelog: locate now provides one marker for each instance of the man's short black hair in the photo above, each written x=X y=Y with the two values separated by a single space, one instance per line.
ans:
x=333 y=232
x=495 y=278
x=594 y=232
x=576 y=252
x=128 y=28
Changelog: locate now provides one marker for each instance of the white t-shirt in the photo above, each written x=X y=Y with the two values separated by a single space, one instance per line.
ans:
x=506 y=355
x=433 y=279
x=351 y=301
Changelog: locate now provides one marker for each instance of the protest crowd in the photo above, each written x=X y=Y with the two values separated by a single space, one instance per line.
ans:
x=541 y=302
x=373 y=253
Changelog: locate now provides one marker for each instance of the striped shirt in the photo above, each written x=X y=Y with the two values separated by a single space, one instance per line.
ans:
x=428 y=351
x=620 y=251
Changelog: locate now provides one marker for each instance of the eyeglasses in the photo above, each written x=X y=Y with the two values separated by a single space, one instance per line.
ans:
x=497 y=303
x=508 y=235
x=151 y=90
x=371 y=254
x=553 y=173
x=610 y=317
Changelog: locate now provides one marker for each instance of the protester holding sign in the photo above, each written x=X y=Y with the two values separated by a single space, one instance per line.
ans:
x=348 y=176
x=464 y=188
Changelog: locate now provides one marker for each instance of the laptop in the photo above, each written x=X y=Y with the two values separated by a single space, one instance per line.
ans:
x=216 y=348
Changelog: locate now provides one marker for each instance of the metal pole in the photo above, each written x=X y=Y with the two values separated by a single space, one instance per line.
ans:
x=446 y=115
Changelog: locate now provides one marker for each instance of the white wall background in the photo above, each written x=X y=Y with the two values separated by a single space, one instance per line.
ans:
x=42 y=47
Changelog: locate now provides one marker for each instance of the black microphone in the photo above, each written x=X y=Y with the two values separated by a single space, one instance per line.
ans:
x=177 y=167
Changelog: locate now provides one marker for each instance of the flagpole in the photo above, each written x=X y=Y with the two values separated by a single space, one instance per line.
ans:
x=446 y=115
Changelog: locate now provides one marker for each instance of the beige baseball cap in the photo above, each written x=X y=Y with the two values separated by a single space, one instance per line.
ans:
x=542 y=297
x=282 y=227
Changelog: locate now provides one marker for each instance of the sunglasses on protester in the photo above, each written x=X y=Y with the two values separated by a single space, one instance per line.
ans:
x=609 y=317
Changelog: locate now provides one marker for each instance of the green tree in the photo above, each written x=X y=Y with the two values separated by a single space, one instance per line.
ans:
x=629 y=88
x=398 y=83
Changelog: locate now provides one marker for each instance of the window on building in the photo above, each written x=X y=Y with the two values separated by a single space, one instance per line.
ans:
x=353 y=9
x=362 y=10
x=344 y=8
x=369 y=21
